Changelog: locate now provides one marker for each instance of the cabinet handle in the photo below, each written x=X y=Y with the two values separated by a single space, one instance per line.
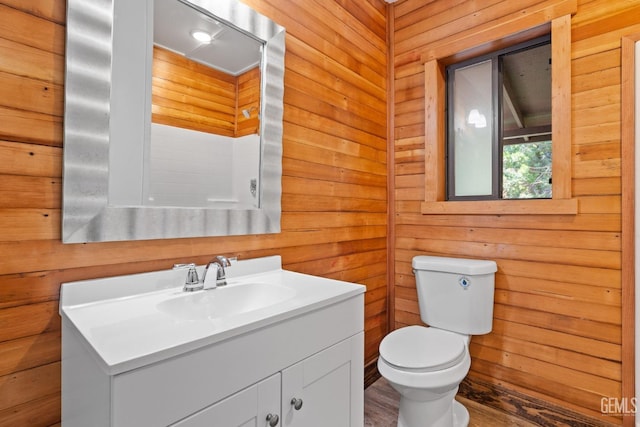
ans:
x=297 y=403
x=273 y=420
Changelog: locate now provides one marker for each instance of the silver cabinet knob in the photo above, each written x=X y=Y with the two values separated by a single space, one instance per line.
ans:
x=297 y=403
x=273 y=420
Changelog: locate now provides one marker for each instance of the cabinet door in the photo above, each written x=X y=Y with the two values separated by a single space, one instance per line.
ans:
x=247 y=408
x=327 y=388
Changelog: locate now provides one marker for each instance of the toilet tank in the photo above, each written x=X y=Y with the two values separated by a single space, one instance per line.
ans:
x=455 y=294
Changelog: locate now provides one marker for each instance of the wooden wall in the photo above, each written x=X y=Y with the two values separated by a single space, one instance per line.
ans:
x=189 y=95
x=248 y=89
x=557 y=320
x=334 y=220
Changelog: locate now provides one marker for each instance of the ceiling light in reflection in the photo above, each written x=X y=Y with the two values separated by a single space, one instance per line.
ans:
x=201 y=36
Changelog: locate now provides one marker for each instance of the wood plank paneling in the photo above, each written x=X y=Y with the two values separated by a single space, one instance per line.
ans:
x=629 y=113
x=190 y=95
x=248 y=89
x=193 y=96
x=334 y=220
x=558 y=296
x=558 y=301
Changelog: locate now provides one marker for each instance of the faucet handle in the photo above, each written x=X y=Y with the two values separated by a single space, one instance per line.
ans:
x=192 y=283
x=183 y=266
x=192 y=276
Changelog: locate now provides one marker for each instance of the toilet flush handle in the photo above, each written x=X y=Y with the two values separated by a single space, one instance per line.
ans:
x=465 y=282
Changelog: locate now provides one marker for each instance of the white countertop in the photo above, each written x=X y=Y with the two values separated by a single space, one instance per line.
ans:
x=120 y=321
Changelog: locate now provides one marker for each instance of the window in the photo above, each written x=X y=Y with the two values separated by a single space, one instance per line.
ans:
x=499 y=124
x=484 y=41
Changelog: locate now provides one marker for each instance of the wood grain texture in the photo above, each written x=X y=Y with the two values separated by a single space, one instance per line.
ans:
x=190 y=95
x=248 y=98
x=560 y=300
x=628 y=141
x=381 y=410
x=557 y=333
x=516 y=407
x=334 y=181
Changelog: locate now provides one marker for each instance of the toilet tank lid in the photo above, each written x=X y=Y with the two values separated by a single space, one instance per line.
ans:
x=454 y=265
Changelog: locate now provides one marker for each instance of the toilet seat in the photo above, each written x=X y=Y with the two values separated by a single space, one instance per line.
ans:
x=422 y=349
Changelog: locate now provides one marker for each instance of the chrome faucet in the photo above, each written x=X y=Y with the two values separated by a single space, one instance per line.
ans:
x=220 y=263
x=192 y=283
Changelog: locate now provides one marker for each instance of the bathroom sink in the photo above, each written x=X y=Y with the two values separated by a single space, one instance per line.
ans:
x=135 y=320
x=139 y=350
x=225 y=301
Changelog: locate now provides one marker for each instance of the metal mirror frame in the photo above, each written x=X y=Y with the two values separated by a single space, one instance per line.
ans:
x=87 y=216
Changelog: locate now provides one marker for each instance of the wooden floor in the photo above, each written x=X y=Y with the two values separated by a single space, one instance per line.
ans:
x=381 y=410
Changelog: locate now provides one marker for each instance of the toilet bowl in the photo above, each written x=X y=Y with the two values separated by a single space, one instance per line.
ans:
x=426 y=365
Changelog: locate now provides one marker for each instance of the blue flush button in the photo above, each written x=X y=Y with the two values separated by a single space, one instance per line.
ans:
x=464 y=282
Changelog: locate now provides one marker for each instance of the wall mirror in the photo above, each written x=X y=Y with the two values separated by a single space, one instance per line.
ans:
x=167 y=135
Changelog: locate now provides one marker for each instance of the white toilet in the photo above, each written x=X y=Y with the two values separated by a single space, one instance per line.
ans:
x=426 y=364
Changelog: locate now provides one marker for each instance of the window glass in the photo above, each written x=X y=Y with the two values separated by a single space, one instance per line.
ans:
x=526 y=123
x=499 y=124
x=526 y=171
x=473 y=124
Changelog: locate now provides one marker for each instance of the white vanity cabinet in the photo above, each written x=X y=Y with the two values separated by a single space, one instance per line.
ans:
x=322 y=390
x=319 y=356
x=299 y=362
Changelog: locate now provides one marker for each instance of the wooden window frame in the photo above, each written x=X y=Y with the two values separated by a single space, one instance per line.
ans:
x=435 y=62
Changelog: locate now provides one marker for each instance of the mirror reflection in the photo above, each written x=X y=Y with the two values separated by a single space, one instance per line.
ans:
x=202 y=144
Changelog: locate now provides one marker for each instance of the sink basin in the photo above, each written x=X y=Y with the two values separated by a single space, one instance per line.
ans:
x=136 y=320
x=225 y=301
